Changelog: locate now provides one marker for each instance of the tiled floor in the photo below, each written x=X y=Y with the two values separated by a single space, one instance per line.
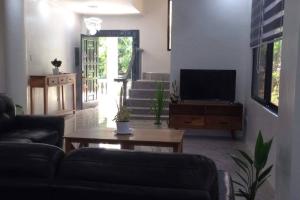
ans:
x=218 y=146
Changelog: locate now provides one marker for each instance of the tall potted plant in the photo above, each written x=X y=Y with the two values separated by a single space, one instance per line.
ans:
x=253 y=171
x=159 y=103
x=122 y=117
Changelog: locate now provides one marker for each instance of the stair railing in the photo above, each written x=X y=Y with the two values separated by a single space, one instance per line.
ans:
x=131 y=74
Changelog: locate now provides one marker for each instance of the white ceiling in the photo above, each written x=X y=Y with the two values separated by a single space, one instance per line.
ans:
x=104 y=7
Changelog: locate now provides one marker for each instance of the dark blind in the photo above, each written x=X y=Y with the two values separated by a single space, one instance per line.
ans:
x=266 y=21
x=273 y=19
x=256 y=22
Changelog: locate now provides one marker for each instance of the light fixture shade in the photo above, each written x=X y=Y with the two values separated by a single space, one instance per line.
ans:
x=93 y=24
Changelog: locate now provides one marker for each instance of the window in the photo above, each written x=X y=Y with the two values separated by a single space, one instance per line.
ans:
x=170 y=13
x=266 y=74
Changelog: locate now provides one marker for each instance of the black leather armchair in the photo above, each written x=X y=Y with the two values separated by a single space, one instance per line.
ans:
x=27 y=129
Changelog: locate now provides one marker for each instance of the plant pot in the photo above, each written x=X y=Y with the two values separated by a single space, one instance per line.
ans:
x=123 y=128
x=56 y=71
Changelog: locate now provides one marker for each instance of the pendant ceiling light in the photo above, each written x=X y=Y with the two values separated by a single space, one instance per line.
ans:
x=93 y=24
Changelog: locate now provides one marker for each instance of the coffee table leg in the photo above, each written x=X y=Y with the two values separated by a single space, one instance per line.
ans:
x=68 y=145
x=177 y=148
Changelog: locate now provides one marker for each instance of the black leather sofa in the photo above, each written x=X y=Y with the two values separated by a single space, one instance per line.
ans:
x=39 y=171
x=27 y=129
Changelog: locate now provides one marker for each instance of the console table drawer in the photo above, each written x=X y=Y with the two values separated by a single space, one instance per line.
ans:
x=53 y=81
x=70 y=79
x=62 y=80
x=224 y=122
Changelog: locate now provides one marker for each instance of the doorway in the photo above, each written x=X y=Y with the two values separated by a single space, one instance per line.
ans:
x=104 y=57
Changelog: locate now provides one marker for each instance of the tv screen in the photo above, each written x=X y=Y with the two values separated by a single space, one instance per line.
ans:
x=207 y=85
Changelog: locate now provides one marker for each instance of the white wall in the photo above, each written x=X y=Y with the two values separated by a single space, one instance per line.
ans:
x=211 y=35
x=2 y=69
x=15 y=51
x=52 y=32
x=153 y=33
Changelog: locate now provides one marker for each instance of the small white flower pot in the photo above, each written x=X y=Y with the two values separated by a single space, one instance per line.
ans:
x=123 y=128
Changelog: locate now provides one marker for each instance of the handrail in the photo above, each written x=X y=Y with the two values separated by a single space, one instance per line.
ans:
x=128 y=75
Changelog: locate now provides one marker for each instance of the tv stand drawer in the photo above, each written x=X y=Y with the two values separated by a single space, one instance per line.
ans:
x=223 y=122
x=182 y=121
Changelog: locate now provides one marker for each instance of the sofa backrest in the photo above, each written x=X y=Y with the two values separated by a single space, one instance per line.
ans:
x=176 y=171
x=7 y=113
x=33 y=160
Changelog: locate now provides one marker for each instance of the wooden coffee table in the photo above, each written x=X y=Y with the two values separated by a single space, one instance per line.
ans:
x=142 y=137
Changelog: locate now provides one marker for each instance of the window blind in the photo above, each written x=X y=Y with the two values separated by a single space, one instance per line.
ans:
x=266 y=21
x=273 y=20
x=256 y=22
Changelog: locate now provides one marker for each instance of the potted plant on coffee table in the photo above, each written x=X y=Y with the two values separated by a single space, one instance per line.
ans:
x=122 y=117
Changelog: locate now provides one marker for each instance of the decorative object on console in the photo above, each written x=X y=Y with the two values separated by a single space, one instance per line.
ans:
x=174 y=96
x=122 y=117
x=254 y=174
x=56 y=63
x=159 y=103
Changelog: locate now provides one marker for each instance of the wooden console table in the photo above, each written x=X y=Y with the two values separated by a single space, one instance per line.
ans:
x=206 y=115
x=46 y=81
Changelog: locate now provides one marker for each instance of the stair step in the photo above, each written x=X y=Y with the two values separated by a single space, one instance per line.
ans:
x=145 y=93
x=138 y=102
x=156 y=76
x=145 y=111
x=149 y=84
x=147 y=117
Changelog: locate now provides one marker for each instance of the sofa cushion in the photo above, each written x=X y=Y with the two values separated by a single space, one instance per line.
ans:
x=140 y=168
x=39 y=136
x=93 y=190
x=29 y=160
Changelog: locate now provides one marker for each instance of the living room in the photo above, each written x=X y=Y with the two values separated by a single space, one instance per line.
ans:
x=205 y=35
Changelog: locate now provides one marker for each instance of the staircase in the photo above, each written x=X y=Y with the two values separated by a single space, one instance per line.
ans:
x=142 y=94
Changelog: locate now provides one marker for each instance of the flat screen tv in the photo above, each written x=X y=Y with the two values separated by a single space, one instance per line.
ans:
x=207 y=84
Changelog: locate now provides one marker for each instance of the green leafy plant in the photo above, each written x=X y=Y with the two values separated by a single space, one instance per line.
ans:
x=254 y=172
x=19 y=110
x=174 y=97
x=123 y=114
x=159 y=103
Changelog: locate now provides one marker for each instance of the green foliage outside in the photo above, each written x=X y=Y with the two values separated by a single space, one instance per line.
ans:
x=276 y=72
x=125 y=53
x=102 y=62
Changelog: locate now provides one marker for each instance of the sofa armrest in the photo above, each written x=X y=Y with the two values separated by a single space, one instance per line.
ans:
x=226 y=191
x=30 y=122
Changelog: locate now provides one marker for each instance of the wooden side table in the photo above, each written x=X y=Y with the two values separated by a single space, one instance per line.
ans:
x=46 y=81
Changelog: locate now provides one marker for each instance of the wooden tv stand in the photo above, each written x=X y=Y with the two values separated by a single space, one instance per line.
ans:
x=206 y=115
